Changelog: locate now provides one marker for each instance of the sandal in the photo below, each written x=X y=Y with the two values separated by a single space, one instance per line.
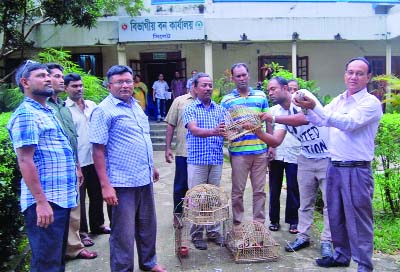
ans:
x=87 y=241
x=293 y=229
x=274 y=226
x=86 y=254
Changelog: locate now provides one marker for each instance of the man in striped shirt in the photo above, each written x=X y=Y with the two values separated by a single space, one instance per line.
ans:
x=248 y=154
x=48 y=168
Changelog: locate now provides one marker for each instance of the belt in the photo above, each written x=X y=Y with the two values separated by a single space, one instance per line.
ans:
x=350 y=163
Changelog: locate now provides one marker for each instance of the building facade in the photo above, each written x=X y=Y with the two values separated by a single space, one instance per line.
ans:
x=312 y=39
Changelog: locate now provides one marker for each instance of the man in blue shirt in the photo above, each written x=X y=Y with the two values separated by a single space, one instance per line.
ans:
x=48 y=167
x=123 y=157
x=204 y=120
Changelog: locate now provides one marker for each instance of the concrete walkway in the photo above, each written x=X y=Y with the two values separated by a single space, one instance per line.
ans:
x=216 y=259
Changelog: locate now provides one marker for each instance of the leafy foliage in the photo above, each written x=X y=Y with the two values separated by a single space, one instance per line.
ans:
x=392 y=100
x=387 y=159
x=222 y=86
x=18 y=18
x=277 y=70
x=11 y=228
x=10 y=98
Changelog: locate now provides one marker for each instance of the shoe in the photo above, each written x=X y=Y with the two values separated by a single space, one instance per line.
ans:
x=217 y=239
x=330 y=262
x=86 y=254
x=298 y=244
x=102 y=230
x=87 y=241
x=200 y=244
x=326 y=249
x=274 y=226
x=293 y=229
x=158 y=120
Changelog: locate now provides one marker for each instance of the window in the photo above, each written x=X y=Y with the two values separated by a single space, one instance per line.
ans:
x=90 y=63
x=286 y=62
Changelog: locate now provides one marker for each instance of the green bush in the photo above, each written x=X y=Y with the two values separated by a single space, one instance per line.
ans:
x=387 y=161
x=11 y=227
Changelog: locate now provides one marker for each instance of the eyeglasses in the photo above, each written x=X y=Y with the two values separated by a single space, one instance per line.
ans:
x=27 y=63
x=121 y=82
x=357 y=74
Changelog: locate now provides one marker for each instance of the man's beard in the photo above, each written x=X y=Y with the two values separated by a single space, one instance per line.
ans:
x=45 y=93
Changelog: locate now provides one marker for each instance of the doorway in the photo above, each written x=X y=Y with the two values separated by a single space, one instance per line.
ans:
x=151 y=65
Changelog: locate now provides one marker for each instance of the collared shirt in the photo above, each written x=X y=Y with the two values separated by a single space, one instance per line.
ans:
x=353 y=123
x=178 y=87
x=189 y=83
x=204 y=151
x=249 y=143
x=161 y=89
x=314 y=140
x=81 y=122
x=290 y=148
x=124 y=130
x=34 y=125
x=65 y=117
x=174 y=117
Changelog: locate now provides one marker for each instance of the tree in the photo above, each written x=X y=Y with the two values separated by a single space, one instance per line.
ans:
x=18 y=18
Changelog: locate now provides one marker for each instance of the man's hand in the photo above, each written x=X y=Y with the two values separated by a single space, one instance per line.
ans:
x=156 y=175
x=305 y=103
x=44 y=214
x=168 y=155
x=220 y=130
x=79 y=175
x=265 y=116
x=271 y=154
x=109 y=195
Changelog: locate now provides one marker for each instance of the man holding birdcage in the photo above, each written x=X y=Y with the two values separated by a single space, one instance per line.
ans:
x=204 y=120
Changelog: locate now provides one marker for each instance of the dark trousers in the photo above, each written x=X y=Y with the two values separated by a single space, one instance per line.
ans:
x=48 y=245
x=180 y=182
x=91 y=184
x=349 y=192
x=277 y=168
x=133 y=221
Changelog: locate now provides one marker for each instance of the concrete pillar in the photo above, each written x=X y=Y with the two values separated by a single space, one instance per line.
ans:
x=294 y=59
x=121 y=54
x=208 y=59
x=388 y=57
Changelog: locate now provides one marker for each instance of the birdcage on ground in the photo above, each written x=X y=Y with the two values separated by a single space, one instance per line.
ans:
x=251 y=242
x=237 y=121
x=204 y=205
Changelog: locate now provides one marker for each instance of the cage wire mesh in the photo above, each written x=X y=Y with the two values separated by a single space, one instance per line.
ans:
x=236 y=117
x=205 y=204
x=252 y=242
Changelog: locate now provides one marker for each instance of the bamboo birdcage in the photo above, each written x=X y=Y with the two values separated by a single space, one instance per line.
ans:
x=236 y=117
x=205 y=204
x=252 y=242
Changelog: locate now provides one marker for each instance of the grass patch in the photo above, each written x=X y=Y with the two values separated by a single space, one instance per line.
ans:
x=386 y=226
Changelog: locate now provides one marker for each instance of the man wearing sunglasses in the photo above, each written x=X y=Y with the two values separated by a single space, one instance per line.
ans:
x=46 y=161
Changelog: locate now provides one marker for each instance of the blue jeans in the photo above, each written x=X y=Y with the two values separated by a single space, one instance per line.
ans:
x=47 y=244
x=275 y=185
x=161 y=111
x=180 y=182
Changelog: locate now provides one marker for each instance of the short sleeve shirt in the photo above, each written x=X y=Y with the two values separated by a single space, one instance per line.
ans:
x=204 y=151
x=124 y=130
x=35 y=125
x=161 y=89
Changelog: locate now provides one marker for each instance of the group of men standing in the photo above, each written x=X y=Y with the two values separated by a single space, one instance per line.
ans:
x=337 y=147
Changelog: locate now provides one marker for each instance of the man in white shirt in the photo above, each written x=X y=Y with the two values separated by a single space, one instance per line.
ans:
x=160 y=95
x=81 y=110
x=353 y=119
x=312 y=161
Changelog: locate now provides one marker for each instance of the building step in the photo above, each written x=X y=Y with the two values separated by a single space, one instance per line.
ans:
x=158 y=135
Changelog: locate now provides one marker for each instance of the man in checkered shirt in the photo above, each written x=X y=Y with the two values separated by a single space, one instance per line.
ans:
x=204 y=120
